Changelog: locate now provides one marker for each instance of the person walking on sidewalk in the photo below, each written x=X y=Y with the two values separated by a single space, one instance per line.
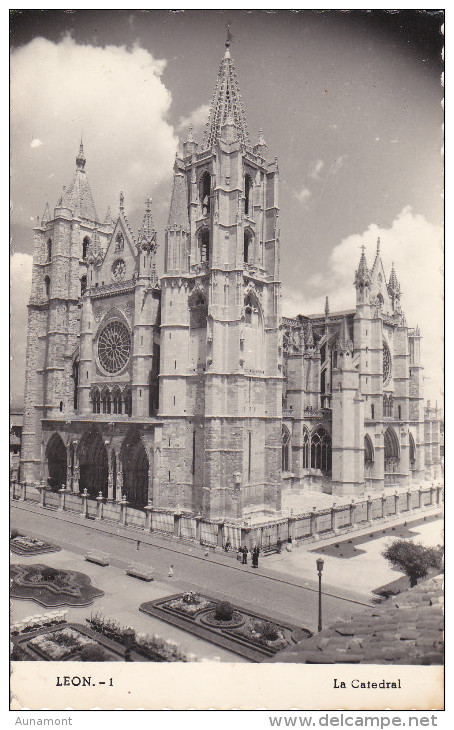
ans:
x=255 y=557
x=245 y=552
x=171 y=571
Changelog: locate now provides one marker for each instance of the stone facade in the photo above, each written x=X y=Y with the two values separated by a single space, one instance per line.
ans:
x=189 y=390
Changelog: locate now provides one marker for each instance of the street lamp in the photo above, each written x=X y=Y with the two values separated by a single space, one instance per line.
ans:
x=129 y=639
x=320 y=563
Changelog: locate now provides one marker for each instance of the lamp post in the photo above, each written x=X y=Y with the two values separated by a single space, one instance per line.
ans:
x=129 y=637
x=320 y=563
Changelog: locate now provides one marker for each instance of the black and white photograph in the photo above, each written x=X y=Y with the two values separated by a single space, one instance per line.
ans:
x=226 y=347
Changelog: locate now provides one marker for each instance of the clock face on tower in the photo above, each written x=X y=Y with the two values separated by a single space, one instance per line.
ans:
x=118 y=270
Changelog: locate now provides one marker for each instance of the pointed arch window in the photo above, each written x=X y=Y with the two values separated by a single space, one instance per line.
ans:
x=116 y=400
x=106 y=401
x=96 y=400
x=83 y=285
x=368 y=451
x=127 y=398
x=49 y=249
x=412 y=452
x=247 y=246
x=248 y=310
x=391 y=451
x=75 y=375
x=47 y=286
x=204 y=245
x=205 y=193
x=85 y=247
x=285 y=448
x=119 y=242
x=306 y=449
x=247 y=195
x=321 y=450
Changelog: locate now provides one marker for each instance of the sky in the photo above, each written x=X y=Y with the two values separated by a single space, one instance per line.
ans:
x=349 y=102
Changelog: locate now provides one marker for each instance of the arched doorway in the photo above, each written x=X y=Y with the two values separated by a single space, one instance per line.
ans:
x=392 y=456
x=56 y=462
x=93 y=464
x=135 y=465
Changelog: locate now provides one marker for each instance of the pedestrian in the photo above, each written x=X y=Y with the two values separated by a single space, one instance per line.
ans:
x=245 y=552
x=255 y=557
x=138 y=545
x=227 y=546
x=171 y=571
x=239 y=555
x=279 y=545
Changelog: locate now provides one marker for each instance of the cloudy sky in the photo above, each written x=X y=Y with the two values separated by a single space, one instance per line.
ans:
x=348 y=102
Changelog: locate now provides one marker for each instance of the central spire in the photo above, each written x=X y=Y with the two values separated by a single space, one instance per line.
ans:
x=226 y=106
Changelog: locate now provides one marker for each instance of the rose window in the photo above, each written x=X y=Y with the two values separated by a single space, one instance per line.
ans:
x=386 y=364
x=118 y=270
x=114 y=347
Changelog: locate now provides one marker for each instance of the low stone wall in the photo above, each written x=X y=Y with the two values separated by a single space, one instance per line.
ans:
x=298 y=529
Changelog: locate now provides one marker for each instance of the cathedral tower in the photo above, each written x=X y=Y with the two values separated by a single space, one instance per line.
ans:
x=221 y=370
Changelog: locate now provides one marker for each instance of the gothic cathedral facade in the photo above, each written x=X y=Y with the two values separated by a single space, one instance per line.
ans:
x=189 y=389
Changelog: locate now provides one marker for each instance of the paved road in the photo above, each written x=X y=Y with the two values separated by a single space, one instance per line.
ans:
x=264 y=592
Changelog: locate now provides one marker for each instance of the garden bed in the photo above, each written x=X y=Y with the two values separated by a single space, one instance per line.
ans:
x=26 y=545
x=73 y=642
x=51 y=587
x=249 y=634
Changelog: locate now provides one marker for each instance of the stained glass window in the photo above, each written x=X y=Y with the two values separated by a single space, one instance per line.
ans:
x=386 y=364
x=114 y=347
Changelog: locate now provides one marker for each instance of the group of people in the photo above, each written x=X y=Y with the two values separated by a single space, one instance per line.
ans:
x=243 y=553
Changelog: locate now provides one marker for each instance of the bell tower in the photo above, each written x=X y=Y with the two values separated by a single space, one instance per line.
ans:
x=221 y=369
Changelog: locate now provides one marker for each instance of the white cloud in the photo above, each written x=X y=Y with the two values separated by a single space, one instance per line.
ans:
x=315 y=169
x=35 y=143
x=303 y=195
x=115 y=95
x=415 y=246
x=198 y=117
x=20 y=282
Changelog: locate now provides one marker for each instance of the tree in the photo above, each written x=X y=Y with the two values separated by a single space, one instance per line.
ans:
x=414 y=560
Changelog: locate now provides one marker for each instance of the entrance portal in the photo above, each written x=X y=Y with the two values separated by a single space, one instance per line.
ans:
x=56 y=462
x=135 y=464
x=93 y=464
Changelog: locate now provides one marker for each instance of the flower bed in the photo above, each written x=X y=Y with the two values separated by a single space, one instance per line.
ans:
x=26 y=545
x=241 y=631
x=59 y=645
x=190 y=604
x=51 y=587
x=150 y=646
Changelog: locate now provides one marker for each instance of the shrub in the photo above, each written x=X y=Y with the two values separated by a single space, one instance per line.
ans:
x=269 y=631
x=49 y=574
x=93 y=653
x=224 y=611
x=413 y=560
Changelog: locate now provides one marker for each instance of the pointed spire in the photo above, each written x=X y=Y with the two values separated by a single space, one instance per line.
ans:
x=122 y=202
x=178 y=214
x=345 y=343
x=362 y=274
x=377 y=254
x=46 y=214
x=81 y=159
x=326 y=307
x=393 y=284
x=226 y=104
x=147 y=233
x=108 y=220
x=190 y=145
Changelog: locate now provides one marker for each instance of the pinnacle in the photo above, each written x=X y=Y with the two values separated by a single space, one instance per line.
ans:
x=147 y=233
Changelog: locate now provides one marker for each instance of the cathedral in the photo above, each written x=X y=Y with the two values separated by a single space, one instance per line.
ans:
x=187 y=388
